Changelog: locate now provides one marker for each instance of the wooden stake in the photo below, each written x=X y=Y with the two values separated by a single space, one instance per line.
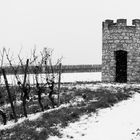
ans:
x=25 y=74
x=59 y=83
x=24 y=89
x=9 y=94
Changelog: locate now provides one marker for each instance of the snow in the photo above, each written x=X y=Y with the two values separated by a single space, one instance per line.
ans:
x=11 y=124
x=31 y=117
x=85 y=86
x=77 y=100
x=17 y=103
x=65 y=77
x=86 y=76
x=120 y=85
x=120 y=122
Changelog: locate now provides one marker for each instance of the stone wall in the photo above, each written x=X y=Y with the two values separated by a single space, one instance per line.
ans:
x=119 y=36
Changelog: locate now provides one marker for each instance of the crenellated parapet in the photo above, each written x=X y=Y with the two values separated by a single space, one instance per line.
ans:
x=107 y=24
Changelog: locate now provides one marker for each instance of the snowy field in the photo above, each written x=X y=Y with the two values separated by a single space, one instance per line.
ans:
x=86 y=76
x=65 y=77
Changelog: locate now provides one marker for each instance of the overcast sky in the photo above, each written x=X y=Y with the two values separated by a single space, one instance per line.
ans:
x=73 y=28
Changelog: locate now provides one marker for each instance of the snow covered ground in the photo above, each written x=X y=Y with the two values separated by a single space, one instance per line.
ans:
x=120 y=122
x=85 y=76
x=65 y=77
x=31 y=117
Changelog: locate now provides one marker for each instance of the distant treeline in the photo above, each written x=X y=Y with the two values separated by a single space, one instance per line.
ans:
x=49 y=69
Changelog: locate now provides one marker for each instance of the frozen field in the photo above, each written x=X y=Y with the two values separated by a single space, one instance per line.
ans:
x=87 y=76
x=65 y=77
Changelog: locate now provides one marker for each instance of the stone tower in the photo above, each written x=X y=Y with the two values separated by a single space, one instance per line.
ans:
x=121 y=51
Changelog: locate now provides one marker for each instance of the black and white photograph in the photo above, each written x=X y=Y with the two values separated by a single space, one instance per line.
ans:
x=69 y=70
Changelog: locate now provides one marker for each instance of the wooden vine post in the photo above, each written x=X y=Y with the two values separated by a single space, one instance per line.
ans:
x=24 y=90
x=59 y=82
x=9 y=95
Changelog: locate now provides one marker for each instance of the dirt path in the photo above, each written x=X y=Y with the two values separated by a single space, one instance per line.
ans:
x=120 y=122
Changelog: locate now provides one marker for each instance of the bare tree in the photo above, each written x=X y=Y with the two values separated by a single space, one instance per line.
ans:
x=36 y=71
x=45 y=63
x=14 y=69
x=51 y=80
x=23 y=86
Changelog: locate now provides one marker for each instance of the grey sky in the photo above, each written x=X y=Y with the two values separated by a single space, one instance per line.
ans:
x=73 y=28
